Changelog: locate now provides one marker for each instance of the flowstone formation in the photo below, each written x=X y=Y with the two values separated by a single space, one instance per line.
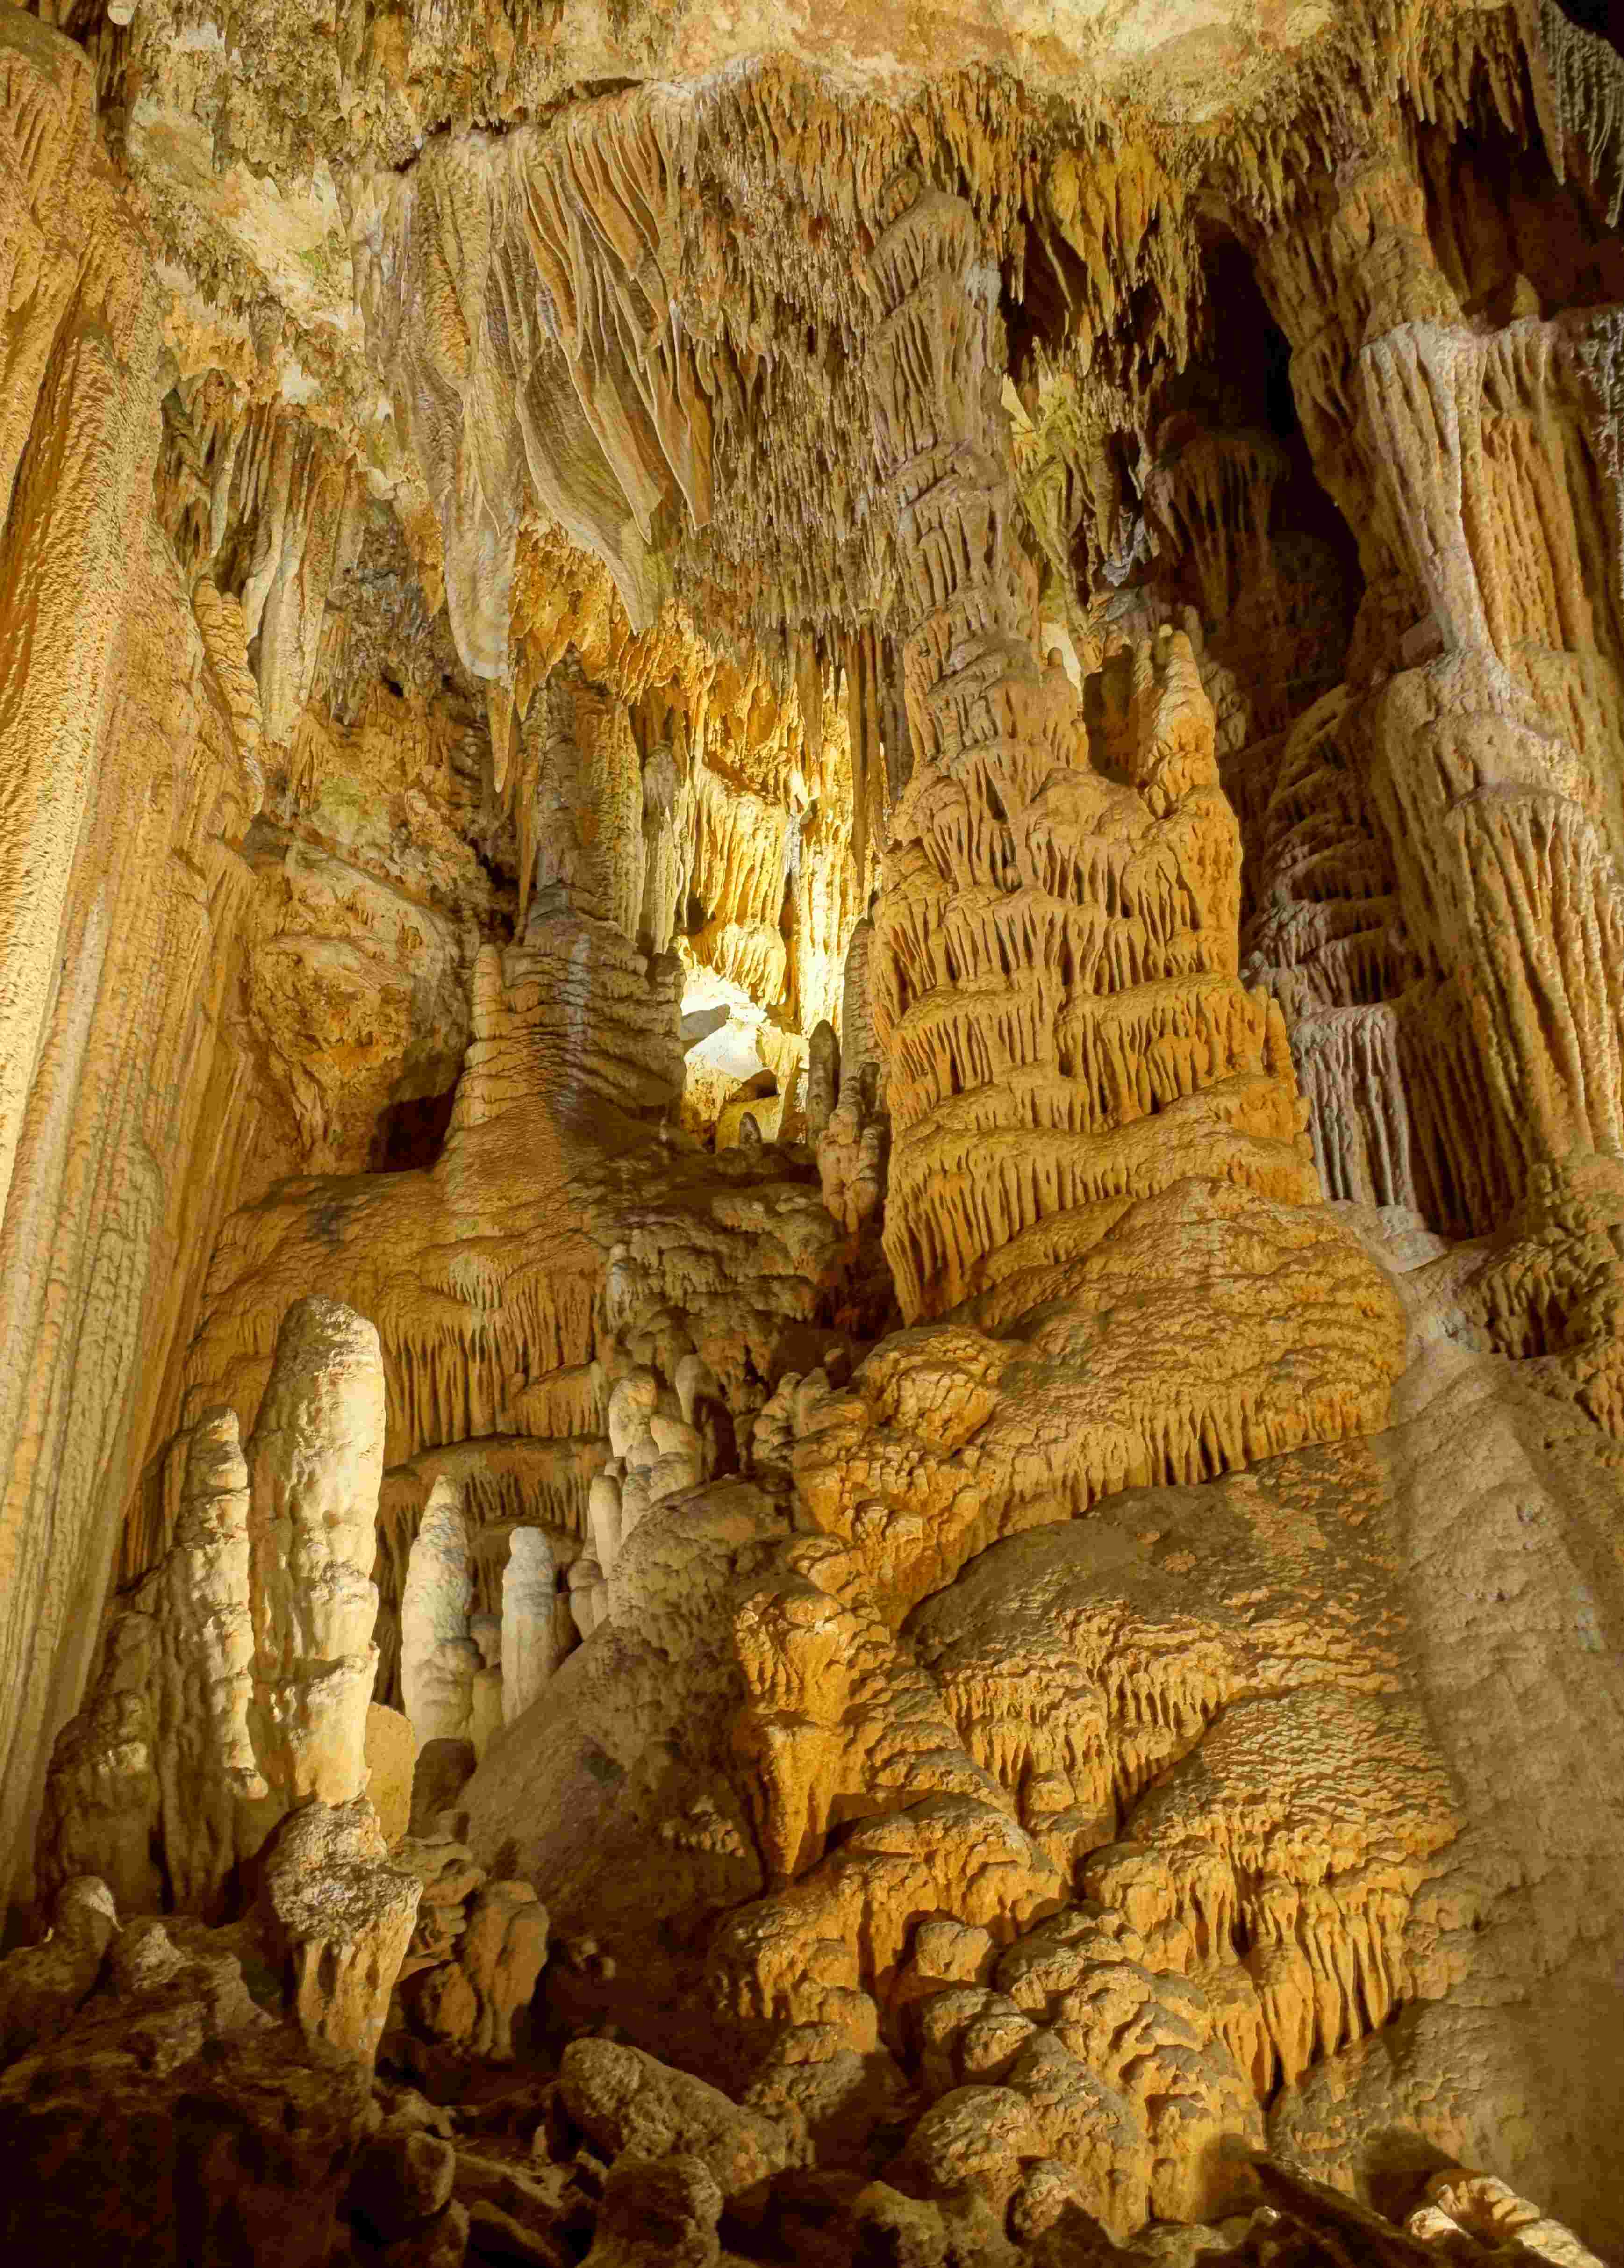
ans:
x=812 y=1135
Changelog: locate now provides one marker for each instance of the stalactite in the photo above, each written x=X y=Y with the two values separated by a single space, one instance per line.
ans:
x=1581 y=79
x=678 y=545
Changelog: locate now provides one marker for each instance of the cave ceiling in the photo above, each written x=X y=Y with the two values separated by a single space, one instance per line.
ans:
x=811 y=1133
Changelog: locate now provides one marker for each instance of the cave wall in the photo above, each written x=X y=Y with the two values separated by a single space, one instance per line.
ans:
x=923 y=908
x=129 y=733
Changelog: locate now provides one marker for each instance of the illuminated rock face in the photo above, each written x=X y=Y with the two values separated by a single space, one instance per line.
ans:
x=1054 y=985
x=811 y=1132
x=237 y=1682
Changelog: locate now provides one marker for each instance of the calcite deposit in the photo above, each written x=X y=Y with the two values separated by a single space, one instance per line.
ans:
x=811 y=1133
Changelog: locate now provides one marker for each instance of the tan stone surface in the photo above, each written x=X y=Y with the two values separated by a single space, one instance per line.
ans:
x=234 y=1685
x=502 y=1954
x=626 y=2101
x=171 y=2047
x=391 y=1758
x=341 y=1917
x=810 y=1099
x=43 y=1986
x=127 y=751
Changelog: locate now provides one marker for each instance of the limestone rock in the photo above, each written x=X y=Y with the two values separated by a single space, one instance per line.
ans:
x=184 y=2125
x=391 y=1765
x=626 y=2101
x=41 y=1987
x=530 y=1652
x=485 y=1707
x=442 y=1771
x=234 y=1685
x=495 y=2235
x=357 y=988
x=315 y=1460
x=442 y=2242
x=399 y=2182
x=1036 y=1591
x=658 y=2209
x=973 y=2138
x=502 y=1955
x=822 y=1080
x=342 y=1917
x=443 y=2005
x=1480 y=2206
x=438 y=1658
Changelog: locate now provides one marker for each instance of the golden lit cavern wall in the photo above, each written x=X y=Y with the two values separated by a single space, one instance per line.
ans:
x=128 y=730
x=987 y=1618
x=1057 y=910
x=1439 y=874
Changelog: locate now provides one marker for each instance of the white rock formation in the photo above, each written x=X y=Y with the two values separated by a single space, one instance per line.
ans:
x=438 y=1658
x=485 y=1718
x=530 y=1652
x=237 y=1682
x=315 y=1462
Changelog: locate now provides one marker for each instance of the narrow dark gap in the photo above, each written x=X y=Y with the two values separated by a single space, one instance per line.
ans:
x=1501 y=225
x=1244 y=379
x=1041 y=311
x=1603 y=16
x=409 y=1136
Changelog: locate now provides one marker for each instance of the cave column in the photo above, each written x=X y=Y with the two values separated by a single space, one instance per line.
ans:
x=117 y=774
x=1042 y=869
x=438 y=1658
x=76 y=521
x=986 y=725
x=1491 y=756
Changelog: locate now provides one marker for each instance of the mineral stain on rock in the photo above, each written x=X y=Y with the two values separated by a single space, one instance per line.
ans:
x=811 y=1089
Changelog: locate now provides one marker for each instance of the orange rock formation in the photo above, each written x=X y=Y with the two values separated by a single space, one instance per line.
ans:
x=811 y=1133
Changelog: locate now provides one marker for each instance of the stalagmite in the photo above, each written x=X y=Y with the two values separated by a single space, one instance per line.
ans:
x=438 y=1658
x=811 y=1133
x=343 y=1918
x=315 y=1460
x=529 y=1621
x=485 y=1707
x=235 y=1685
x=822 y=1080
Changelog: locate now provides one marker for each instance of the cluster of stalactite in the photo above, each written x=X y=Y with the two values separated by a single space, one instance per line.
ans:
x=1023 y=1704
x=266 y=505
x=739 y=772
x=1437 y=887
x=573 y=314
x=1053 y=988
x=1056 y=960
